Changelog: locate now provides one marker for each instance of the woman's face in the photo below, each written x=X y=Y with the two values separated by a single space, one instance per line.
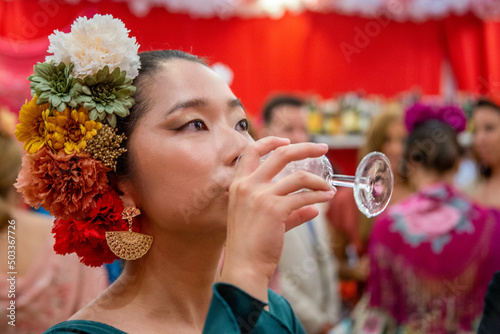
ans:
x=487 y=135
x=185 y=146
x=394 y=144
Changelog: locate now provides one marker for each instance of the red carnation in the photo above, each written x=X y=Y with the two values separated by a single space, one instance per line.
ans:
x=87 y=238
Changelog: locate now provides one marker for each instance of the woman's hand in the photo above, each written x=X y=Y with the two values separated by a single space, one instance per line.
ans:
x=261 y=211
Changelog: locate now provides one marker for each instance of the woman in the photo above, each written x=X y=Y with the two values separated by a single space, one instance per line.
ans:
x=350 y=230
x=486 y=120
x=433 y=254
x=185 y=133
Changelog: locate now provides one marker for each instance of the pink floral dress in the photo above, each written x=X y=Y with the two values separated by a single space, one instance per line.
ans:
x=432 y=257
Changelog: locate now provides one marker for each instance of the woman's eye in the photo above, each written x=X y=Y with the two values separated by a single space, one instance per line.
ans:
x=489 y=128
x=242 y=125
x=196 y=125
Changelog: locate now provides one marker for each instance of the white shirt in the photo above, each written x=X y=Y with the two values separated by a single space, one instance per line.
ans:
x=308 y=274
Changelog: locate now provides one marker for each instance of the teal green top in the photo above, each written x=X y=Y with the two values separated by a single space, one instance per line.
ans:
x=231 y=310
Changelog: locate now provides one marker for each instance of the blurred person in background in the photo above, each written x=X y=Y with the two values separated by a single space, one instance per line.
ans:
x=432 y=254
x=486 y=145
x=49 y=288
x=349 y=228
x=486 y=121
x=306 y=274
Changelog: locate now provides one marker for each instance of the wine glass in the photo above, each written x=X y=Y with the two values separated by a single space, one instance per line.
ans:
x=372 y=184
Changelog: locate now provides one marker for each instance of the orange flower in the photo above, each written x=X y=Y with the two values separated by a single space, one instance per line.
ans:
x=65 y=185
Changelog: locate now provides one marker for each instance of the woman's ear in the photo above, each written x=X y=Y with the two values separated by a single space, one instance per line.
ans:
x=125 y=190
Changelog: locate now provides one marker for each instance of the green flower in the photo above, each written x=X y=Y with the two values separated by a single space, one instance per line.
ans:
x=54 y=85
x=106 y=95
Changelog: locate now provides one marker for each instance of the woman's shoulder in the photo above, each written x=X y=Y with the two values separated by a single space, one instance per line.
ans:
x=38 y=224
x=281 y=309
x=234 y=310
x=278 y=302
x=387 y=226
x=83 y=327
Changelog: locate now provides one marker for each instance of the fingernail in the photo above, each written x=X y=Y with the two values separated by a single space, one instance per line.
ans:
x=323 y=145
x=330 y=193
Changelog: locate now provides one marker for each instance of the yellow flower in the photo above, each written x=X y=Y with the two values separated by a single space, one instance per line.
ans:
x=31 y=128
x=70 y=129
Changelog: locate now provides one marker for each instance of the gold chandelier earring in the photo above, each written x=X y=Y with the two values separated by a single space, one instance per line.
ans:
x=129 y=245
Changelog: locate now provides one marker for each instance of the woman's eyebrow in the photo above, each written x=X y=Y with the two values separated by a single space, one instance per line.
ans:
x=187 y=104
x=201 y=103
x=236 y=103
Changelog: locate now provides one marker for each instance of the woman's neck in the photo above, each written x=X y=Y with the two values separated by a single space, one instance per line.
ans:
x=170 y=285
x=400 y=190
x=487 y=192
x=423 y=178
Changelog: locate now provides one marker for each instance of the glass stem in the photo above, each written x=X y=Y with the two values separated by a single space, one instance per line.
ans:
x=339 y=180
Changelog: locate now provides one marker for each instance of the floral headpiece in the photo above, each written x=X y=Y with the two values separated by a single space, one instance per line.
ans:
x=451 y=115
x=69 y=132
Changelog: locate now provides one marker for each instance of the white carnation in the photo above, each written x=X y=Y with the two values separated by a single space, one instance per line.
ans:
x=94 y=43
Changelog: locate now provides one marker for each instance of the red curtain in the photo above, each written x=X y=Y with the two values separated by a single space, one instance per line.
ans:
x=309 y=53
x=466 y=51
x=473 y=47
x=492 y=50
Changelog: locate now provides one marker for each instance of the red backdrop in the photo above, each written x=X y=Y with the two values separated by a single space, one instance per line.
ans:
x=309 y=53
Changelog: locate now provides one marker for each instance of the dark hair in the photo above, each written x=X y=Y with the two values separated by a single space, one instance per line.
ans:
x=486 y=103
x=433 y=145
x=279 y=100
x=150 y=64
x=484 y=170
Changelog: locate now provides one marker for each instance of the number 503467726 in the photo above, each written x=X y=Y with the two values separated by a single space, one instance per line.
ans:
x=11 y=237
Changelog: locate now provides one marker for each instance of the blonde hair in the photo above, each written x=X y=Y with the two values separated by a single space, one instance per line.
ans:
x=374 y=141
x=377 y=132
x=10 y=165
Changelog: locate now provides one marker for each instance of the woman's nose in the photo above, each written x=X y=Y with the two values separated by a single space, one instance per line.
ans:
x=234 y=146
x=478 y=137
